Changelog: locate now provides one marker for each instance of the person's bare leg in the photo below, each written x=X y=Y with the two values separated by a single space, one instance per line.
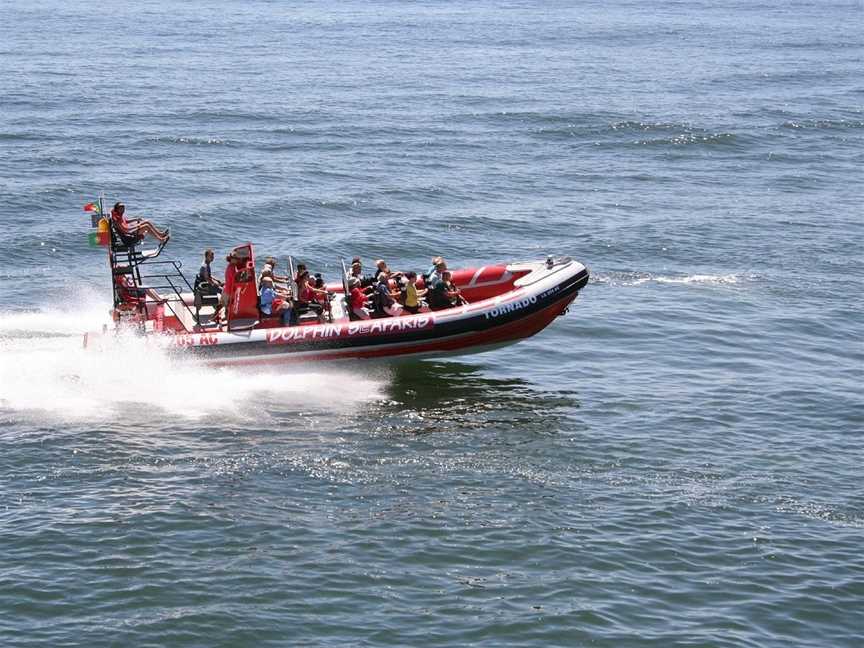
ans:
x=148 y=228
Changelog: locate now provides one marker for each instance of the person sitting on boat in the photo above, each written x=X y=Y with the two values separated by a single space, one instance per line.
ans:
x=204 y=280
x=412 y=295
x=276 y=303
x=432 y=269
x=322 y=296
x=434 y=276
x=207 y=284
x=356 y=271
x=133 y=296
x=358 y=300
x=384 y=299
x=437 y=294
x=300 y=272
x=381 y=266
x=135 y=227
x=394 y=275
x=307 y=298
x=282 y=291
x=452 y=292
x=270 y=264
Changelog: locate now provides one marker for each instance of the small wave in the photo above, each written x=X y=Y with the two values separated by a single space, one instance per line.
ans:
x=652 y=127
x=817 y=511
x=689 y=139
x=640 y=278
x=679 y=134
x=538 y=118
x=603 y=129
x=701 y=279
x=25 y=137
x=611 y=134
x=228 y=115
x=194 y=141
x=824 y=124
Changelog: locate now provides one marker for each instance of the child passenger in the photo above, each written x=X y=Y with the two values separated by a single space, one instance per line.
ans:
x=453 y=293
x=412 y=295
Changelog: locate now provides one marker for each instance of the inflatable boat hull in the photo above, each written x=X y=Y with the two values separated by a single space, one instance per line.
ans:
x=537 y=297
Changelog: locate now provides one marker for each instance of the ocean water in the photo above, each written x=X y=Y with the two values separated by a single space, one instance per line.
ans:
x=677 y=462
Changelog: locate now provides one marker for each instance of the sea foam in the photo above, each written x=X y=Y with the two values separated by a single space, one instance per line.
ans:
x=45 y=368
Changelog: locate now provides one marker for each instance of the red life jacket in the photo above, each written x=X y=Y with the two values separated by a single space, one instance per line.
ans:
x=358 y=298
x=119 y=220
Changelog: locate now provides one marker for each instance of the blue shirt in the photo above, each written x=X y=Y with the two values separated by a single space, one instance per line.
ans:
x=383 y=290
x=203 y=274
x=433 y=280
x=267 y=297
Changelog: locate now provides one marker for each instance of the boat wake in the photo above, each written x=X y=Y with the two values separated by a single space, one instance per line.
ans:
x=640 y=278
x=45 y=371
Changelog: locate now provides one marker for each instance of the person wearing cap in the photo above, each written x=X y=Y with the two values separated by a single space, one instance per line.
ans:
x=135 y=226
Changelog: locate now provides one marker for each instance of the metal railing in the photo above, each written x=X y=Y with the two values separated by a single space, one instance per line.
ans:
x=174 y=284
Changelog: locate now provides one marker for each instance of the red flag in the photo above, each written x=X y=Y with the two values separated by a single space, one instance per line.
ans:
x=91 y=207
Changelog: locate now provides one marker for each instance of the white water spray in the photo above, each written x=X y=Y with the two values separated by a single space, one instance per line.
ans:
x=45 y=369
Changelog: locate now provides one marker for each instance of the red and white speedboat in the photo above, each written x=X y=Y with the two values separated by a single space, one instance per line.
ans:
x=506 y=303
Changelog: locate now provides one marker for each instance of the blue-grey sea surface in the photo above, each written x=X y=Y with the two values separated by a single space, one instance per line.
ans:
x=676 y=462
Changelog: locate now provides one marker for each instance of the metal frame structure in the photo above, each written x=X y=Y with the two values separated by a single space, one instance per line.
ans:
x=127 y=260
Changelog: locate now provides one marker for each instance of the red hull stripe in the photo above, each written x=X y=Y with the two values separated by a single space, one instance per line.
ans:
x=512 y=331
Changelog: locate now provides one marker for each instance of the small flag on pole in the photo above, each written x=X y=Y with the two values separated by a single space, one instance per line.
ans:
x=91 y=207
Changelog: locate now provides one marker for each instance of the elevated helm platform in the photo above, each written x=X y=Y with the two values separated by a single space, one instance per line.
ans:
x=506 y=302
